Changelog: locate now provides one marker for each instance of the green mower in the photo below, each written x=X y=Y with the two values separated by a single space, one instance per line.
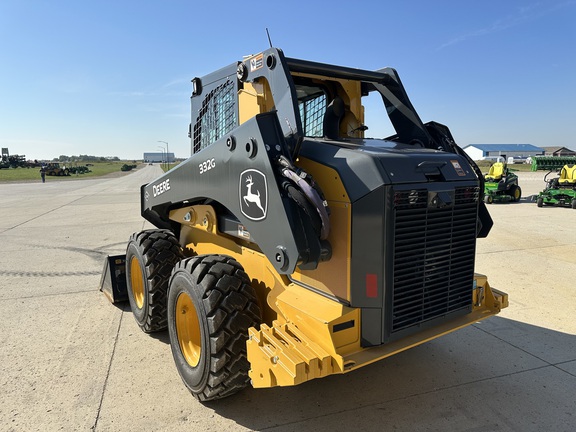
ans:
x=501 y=184
x=561 y=190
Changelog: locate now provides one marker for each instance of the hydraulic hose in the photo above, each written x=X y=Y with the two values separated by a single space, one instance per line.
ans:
x=289 y=171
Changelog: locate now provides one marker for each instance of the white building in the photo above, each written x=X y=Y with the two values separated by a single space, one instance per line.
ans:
x=505 y=151
x=159 y=157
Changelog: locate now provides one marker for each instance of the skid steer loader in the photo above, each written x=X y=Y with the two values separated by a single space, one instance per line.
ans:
x=290 y=246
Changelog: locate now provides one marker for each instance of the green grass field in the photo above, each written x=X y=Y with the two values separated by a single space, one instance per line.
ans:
x=33 y=174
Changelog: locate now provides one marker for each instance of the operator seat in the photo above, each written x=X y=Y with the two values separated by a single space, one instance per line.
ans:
x=496 y=172
x=332 y=117
x=568 y=175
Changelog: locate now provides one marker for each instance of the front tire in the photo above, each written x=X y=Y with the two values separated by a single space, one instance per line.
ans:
x=540 y=202
x=150 y=257
x=211 y=306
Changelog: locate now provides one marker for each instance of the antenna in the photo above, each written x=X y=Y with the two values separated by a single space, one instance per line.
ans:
x=269 y=40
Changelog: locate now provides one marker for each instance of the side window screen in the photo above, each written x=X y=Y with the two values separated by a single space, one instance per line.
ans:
x=217 y=116
x=312 y=115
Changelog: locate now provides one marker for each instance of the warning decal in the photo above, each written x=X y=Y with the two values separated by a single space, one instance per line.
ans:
x=256 y=62
x=458 y=168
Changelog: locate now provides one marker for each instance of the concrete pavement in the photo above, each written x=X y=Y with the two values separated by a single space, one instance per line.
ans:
x=70 y=360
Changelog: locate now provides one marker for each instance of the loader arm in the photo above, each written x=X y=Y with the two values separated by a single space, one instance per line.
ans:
x=222 y=173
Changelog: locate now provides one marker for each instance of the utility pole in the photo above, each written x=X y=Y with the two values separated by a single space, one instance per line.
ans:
x=167 y=155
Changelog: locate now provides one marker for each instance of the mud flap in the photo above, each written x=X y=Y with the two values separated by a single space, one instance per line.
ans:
x=113 y=281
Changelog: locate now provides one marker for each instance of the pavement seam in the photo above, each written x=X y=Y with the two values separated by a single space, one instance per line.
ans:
x=43 y=214
x=435 y=390
x=557 y=366
x=3 y=299
x=438 y=389
x=554 y=365
x=50 y=273
x=93 y=428
x=517 y=347
x=58 y=208
x=526 y=249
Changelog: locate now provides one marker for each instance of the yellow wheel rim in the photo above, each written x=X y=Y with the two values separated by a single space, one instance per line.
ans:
x=188 y=329
x=137 y=282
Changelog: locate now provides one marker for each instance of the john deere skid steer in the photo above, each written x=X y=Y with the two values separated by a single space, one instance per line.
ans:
x=290 y=246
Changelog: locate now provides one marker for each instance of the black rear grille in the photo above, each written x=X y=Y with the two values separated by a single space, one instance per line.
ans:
x=434 y=246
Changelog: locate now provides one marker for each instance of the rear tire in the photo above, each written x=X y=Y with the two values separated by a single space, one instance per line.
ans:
x=211 y=306
x=150 y=257
x=515 y=193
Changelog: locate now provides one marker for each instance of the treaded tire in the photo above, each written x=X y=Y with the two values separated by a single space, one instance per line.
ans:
x=209 y=347
x=515 y=193
x=540 y=202
x=155 y=252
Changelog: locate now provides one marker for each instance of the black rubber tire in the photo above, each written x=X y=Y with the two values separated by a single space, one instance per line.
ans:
x=156 y=252
x=540 y=202
x=574 y=203
x=488 y=199
x=515 y=193
x=226 y=307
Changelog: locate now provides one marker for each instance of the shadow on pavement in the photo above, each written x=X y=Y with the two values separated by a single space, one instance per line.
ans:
x=498 y=360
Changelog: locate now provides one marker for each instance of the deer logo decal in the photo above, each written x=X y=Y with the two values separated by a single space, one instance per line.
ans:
x=253 y=191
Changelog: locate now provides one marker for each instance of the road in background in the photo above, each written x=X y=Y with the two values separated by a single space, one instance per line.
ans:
x=70 y=360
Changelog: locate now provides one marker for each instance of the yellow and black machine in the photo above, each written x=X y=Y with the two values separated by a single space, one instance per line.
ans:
x=290 y=245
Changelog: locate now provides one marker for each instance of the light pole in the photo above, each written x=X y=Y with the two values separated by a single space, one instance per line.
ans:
x=167 y=156
x=163 y=152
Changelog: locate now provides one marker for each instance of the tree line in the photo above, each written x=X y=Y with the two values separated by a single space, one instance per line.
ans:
x=85 y=158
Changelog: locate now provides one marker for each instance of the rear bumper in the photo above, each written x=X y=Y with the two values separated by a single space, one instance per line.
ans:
x=319 y=339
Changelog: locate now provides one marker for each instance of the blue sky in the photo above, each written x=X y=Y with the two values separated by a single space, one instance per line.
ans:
x=112 y=78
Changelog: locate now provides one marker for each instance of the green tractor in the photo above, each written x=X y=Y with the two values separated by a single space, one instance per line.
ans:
x=501 y=184
x=561 y=190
